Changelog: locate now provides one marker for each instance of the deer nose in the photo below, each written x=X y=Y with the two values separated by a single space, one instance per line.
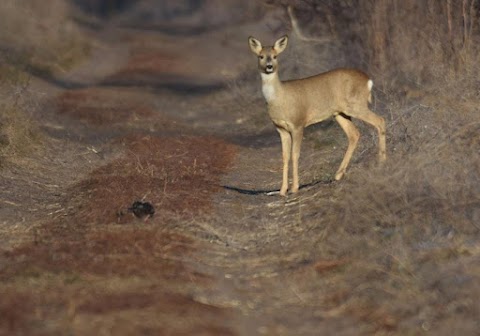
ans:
x=269 y=67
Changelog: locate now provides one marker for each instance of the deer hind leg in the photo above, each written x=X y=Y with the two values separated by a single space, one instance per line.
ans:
x=286 y=151
x=353 y=135
x=297 y=137
x=378 y=122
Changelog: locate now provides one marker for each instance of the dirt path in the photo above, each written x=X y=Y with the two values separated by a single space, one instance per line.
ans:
x=121 y=127
x=115 y=132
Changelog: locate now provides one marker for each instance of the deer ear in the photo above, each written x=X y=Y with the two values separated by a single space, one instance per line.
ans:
x=255 y=45
x=281 y=44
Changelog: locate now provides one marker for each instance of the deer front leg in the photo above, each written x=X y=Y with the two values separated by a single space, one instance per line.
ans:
x=297 y=137
x=286 y=150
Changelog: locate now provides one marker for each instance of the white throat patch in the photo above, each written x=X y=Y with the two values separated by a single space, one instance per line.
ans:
x=268 y=88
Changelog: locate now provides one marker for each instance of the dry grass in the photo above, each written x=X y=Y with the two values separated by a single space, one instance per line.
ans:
x=18 y=131
x=147 y=65
x=409 y=226
x=394 y=247
x=114 y=272
x=42 y=36
x=98 y=107
x=38 y=39
x=177 y=175
x=128 y=280
x=390 y=250
x=156 y=67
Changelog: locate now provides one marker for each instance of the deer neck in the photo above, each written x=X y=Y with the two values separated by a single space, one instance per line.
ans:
x=271 y=86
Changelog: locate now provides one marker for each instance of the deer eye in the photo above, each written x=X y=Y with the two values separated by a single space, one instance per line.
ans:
x=274 y=56
x=261 y=57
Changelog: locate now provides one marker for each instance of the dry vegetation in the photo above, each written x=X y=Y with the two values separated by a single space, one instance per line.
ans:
x=18 y=133
x=105 y=264
x=184 y=170
x=40 y=35
x=101 y=107
x=412 y=227
x=35 y=38
x=391 y=250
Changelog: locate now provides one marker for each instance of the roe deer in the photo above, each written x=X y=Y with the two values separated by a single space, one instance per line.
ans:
x=296 y=104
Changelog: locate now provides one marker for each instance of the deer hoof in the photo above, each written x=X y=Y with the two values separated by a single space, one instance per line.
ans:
x=339 y=175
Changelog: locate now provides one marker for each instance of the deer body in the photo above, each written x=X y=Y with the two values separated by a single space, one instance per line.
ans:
x=296 y=104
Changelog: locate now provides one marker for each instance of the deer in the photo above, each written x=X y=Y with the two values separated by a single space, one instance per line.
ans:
x=295 y=104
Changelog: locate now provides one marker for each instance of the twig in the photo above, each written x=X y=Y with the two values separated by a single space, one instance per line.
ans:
x=297 y=294
x=11 y=203
x=46 y=184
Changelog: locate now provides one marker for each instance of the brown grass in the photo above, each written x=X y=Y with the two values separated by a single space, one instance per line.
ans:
x=154 y=63
x=177 y=175
x=98 y=107
x=109 y=271
x=108 y=252
x=409 y=229
x=146 y=66
x=106 y=274
x=43 y=37
x=390 y=250
x=18 y=131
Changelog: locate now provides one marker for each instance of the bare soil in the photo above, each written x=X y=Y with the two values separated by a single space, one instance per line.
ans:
x=223 y=254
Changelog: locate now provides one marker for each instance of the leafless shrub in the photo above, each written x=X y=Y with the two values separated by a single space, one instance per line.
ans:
x=421 y=43
x=409 y=41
